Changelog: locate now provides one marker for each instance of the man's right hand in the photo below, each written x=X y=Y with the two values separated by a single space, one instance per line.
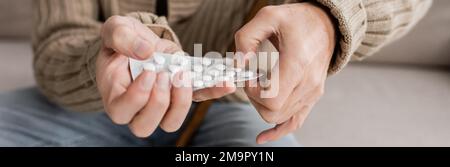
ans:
x=152 y=99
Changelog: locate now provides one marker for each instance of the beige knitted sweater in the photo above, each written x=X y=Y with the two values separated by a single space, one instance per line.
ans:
x=66 y=35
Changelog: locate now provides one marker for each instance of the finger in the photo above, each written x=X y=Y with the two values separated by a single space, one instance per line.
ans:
x=146 y=121
x=180 y=103
x=297 y=98
x=219 y=90
x=161 y=45
x=260 y=28
x=129 y=37
x=122 y=108
x=283 y=129
x=277 y=116
x=109 y=71
x=277 y=93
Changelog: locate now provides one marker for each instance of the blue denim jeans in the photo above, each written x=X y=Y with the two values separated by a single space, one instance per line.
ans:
x=28 y=119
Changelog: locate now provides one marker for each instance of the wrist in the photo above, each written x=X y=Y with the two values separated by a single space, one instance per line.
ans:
x=327 y=20
x=322 y=23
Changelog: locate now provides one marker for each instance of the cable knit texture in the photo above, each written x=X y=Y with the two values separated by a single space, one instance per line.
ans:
x=66 y=37
x=367 y=25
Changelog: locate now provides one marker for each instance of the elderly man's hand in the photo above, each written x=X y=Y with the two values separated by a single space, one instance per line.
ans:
x=305 y=37
x=152 y=100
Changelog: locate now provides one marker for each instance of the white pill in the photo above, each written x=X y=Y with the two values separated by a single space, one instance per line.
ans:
x=149 y=67
x=159 y=67
x=197 y=68
x=206 y=61
x=184 y=63
x=196 y=74
x=229 y=61
x=213 y=72
x=220 y=67
x=207 y=78
x=179 y=54
x=175 y=59
x=198 y=83
x=159 y=59
x=238 y=69
x=196 y=60
x=230 y=73
x=174 y=68
x=180 y=60
x=220 y=78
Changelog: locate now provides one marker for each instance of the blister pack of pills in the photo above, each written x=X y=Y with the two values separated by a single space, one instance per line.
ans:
x=205 y=72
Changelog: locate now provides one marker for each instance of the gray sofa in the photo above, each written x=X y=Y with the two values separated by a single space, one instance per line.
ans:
x=398 y=97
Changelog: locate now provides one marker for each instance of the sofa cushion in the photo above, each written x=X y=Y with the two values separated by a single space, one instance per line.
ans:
x=388 y=105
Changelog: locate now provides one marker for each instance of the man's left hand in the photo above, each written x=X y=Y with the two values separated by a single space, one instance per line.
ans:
x=304 y=35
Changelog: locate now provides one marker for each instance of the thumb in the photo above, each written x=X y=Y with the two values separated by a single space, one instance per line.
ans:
x=129 y=37
x=251 y=35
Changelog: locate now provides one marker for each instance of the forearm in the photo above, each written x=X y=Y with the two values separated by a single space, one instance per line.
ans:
x=64 y=33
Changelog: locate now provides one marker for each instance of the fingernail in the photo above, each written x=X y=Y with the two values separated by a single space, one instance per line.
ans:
x=149 y=79
x=141 y=49
x=163 y=81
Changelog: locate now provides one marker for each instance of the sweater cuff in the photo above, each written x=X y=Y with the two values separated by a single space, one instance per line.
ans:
x=352 y=23
x=158 y=25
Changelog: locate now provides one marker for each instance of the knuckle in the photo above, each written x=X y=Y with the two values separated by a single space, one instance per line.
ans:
x=114 y=20
x=239 y=35
x=138 y=98
x=110 y=23
x=271 y=12
x=118 y=33
x=267 y=10
x=161 y=101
